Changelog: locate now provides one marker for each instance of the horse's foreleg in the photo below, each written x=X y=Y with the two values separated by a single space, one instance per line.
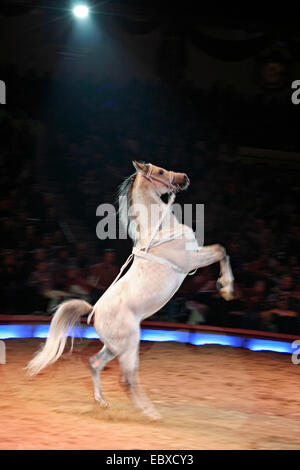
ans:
x=208 y=255
x=97 y=363
x=225 y=281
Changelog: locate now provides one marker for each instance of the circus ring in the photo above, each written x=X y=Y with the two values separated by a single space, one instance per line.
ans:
x=215 y=388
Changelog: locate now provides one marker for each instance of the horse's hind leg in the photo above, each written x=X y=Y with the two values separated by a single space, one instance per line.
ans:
x=97 y=363
x=129 y=366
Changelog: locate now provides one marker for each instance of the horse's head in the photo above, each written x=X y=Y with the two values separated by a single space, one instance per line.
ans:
x=163 y=180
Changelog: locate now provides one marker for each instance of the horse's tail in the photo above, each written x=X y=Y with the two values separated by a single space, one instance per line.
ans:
x=66 y=317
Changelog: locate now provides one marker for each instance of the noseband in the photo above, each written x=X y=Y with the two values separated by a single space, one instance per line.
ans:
x=171 y=186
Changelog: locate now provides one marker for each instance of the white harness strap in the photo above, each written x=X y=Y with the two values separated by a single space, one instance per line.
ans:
x=116 y=279
x=156 y=259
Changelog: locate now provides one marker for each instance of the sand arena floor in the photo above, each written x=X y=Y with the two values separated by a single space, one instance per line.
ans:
x=210 y=397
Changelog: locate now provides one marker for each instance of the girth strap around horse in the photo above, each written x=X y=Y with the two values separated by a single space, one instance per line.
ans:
x=156 y=259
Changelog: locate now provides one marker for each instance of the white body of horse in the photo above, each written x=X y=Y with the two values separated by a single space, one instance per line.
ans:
x=160 y=265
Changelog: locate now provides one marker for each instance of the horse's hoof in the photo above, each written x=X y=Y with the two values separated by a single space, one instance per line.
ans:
x=227 y=295
x=153 y=415
x=103 y=403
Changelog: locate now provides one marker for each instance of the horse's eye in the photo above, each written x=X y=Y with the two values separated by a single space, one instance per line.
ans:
x=161 y=172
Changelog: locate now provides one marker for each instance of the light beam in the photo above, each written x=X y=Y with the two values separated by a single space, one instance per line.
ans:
x=81 y=11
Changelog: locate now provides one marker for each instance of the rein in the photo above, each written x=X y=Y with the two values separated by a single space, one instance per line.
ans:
x=167 y=208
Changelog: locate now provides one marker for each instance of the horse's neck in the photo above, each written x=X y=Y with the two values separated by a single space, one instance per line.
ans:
x=148 y=209
x=150 y=218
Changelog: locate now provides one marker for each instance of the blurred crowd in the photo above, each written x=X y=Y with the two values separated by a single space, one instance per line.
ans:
x=91 y=141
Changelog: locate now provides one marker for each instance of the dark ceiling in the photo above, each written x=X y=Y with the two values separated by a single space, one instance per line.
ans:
x=242 y=16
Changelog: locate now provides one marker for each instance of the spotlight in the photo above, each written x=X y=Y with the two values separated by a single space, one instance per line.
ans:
x=81 y=11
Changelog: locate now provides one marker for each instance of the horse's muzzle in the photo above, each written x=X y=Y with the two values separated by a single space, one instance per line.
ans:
x=185 y=183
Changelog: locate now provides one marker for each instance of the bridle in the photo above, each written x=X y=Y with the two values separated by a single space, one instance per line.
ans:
x=171 y=186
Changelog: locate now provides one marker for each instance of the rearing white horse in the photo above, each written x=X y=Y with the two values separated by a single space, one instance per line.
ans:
x=164 y=252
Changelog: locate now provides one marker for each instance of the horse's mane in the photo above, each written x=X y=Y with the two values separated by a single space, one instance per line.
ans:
x=124 y=196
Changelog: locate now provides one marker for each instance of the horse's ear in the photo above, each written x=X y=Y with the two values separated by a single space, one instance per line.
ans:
x=139 y=166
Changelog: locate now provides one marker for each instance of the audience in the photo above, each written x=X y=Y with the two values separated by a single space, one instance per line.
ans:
x=91 y=141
